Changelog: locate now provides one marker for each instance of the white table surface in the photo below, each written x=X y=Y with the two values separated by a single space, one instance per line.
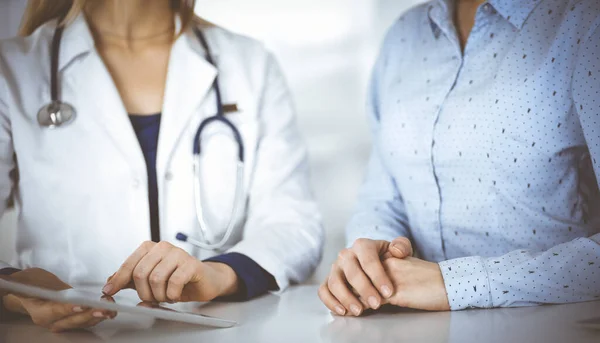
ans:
x=298 y=316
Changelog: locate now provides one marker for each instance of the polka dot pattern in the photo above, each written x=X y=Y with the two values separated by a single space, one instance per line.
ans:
x=488 y=160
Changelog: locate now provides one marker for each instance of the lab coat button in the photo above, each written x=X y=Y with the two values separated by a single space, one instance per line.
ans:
x=169 y=176
x=136 y=183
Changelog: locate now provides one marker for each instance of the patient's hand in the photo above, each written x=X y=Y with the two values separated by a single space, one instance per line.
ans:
x=52 y=315
x=357 y=280
x=417 y=284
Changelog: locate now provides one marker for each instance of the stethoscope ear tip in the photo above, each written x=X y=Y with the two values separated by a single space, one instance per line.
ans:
x=181 y=237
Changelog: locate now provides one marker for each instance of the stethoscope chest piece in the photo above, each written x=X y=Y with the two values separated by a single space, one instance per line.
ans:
x=56 y=114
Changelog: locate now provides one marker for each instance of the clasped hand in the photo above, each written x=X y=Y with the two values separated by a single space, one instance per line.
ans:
x=373 y=273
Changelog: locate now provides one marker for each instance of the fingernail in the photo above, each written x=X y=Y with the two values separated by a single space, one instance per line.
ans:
x=77 y=309
x=386 y=291
x=355 y=309
x=373 y=302
x=98 y=314
x=340 y=310
x=107 y=288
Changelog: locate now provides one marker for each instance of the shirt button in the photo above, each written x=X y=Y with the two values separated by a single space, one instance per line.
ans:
x=169 y=176
x=487 y=8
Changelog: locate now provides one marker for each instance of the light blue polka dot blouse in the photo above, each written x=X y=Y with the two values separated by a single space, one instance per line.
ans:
x=488 y=160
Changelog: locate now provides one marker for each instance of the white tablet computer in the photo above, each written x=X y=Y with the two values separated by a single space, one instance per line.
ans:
x=120 y=304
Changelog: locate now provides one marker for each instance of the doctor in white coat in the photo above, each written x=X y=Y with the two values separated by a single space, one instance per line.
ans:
x=83 y=188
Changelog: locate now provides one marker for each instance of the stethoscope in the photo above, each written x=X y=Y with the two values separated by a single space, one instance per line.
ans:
x=58 y=113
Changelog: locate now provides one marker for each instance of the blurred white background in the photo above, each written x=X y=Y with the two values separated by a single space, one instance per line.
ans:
x=326 y=49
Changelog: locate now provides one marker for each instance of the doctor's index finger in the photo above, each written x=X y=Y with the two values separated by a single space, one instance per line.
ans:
x=124 y=275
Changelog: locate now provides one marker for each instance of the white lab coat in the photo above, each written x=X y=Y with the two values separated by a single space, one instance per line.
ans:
x=82 y=189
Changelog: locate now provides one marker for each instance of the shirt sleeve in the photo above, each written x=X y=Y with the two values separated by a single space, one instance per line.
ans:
x=254 y=279
x=380 y=212
x=569 y=272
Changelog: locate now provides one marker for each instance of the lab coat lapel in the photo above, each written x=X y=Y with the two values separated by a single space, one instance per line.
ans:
x=189 y=81
x=90 y=81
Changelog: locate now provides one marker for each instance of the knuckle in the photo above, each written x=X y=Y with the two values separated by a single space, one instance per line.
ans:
x=361 y=243
x=148 y=244
x=182 y=255
x=345 y=255
x=163 y=245
x=333 y=282
x=139 y=274
x=156 y=278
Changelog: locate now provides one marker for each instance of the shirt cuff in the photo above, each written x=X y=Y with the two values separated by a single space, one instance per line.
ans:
x=8 y=271
x=467 y=283
x=254 y=280
x=4 y=265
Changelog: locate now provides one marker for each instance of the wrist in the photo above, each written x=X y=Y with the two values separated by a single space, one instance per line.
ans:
x=228 y=279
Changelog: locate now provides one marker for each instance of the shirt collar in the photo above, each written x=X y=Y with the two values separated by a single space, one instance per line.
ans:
x=515 y=11
x=440 y=17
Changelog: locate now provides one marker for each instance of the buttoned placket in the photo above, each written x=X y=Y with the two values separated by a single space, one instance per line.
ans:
x=443 y=28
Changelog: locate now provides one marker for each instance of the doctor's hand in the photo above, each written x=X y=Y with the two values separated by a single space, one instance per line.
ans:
x=162 y=272
x=358 y=280
x=55 y=316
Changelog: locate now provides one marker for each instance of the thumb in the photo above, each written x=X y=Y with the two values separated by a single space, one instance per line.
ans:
x=401 y=248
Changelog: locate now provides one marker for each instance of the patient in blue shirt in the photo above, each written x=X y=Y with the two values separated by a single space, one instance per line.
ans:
x=485 y=161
